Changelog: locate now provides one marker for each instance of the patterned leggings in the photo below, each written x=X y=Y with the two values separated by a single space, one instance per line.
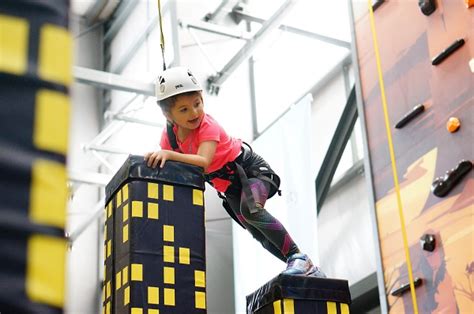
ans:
x=263 y=226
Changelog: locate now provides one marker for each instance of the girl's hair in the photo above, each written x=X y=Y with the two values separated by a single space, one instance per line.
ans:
x=168 y=103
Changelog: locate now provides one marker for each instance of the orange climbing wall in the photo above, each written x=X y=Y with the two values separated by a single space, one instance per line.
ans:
x=424 y=149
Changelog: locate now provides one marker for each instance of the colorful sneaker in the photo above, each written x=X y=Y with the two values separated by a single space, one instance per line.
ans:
x=316 y=272
x=300 y=264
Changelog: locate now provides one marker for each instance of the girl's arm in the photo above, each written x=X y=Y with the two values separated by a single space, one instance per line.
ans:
x=203 y=158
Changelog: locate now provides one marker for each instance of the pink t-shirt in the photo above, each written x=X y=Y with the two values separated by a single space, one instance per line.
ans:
x=228 y=148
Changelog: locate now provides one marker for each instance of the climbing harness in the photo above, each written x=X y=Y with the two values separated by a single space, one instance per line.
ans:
x=234 y=172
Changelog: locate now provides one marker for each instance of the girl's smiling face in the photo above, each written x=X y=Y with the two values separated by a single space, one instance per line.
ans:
x=188 y=111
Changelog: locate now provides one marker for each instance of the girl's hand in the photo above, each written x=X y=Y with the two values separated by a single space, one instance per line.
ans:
x=155 y=158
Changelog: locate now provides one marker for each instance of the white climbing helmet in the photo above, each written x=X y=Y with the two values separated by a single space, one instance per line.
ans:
x=174 y=81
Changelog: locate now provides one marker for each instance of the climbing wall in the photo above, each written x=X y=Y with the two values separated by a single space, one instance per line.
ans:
x=35 y=75
x=426 y=59
x=154 y=240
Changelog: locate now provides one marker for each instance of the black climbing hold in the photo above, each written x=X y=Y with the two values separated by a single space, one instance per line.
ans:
x=446 y=52
x=428 y=242
x=405 y=287
x=427 y=6
x=410 y=116
x=442 y=186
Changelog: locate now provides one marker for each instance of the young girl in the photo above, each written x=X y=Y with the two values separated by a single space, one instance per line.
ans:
x=230 y=165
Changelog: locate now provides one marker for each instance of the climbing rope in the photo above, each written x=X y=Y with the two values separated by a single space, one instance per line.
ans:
x=392 y=158
x=162 y=36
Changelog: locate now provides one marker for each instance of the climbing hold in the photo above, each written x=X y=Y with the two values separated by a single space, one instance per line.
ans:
x=427 y=6
x=442 y=186
x=446 y=52
x=428 y=242
x=453 y=124
x=469 y=3
x=410 y=116
x=471 y=65
x=396 y=292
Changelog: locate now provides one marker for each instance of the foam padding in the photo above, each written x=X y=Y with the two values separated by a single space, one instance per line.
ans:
x=300 y=294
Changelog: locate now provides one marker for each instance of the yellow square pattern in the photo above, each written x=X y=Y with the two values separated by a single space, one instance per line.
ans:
x=200 y=299
x=125 y=234
x=168 y=233
x=198 y=198
x=153 y=295
x=119 y=198
x=168 y=295
x=137 y=272
x=51 y=125
x=168 y=275
x=126 y=296
x=168 y=254
x=136 y=310
x=45 y=269
x=125 y=212
x=153 y=311
x=184 y=255
x=344 y=308
x=125 y=275
x=331 y=307
x=125 y=192
x=14 y=44
x=107 y=290
x=137 y=209
x=289 y=306
x=199 y=278
x=168 y=192
x=109 y=210
x=109 y=248
x=152 y=210
x=105 y=232
x=277 y=307
x=118 y=280
x=107 y=308
x=48 y=193
x=153 y=190
x=55 y=54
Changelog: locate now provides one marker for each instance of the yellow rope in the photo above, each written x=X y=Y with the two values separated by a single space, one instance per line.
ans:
x=392 y=158
x=162 y=36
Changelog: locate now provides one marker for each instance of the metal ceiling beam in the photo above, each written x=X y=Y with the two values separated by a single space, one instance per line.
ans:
x=211 y=15
x=125 y=118
x=240 y=14
x=93 y=178
x=107 y=80
x=216 y=29
x=107 y=149
x=214 y=82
